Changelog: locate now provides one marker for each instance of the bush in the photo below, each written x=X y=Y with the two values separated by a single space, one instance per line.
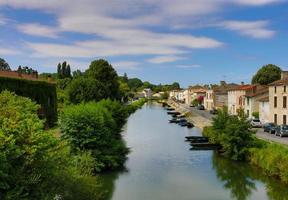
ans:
x=33 y=163
x=233 y=133
x=42 y=92
x=91 y=126
x=272 y=158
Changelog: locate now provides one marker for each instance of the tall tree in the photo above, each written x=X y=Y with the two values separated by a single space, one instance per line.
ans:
x=4 y=66
x=267 y=74
x=103 y=72
x=68 y=71
x=125 y=78
x=59 y=71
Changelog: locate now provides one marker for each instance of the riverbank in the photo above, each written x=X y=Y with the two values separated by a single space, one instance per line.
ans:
x=193 y=117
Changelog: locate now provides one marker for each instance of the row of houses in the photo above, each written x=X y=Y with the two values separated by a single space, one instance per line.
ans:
x=269 y=101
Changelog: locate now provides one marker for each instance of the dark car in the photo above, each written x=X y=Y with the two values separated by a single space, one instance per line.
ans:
x=201 y=107
x=213 y=111
x=282 y=131
x=270 y=128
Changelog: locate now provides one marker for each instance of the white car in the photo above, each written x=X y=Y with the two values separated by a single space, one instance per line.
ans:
x=256 y=123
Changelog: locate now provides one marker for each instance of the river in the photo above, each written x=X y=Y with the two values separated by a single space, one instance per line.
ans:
x=161 y=167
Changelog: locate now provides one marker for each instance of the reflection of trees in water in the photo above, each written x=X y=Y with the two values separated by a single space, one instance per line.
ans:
x=108 y=183
x=234 y=176
x=240 y=179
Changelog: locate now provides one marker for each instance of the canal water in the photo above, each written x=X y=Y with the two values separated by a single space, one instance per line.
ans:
x=161 y=167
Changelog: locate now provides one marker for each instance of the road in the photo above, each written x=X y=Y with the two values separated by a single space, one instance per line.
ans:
x=259 y=134
x=271 y=137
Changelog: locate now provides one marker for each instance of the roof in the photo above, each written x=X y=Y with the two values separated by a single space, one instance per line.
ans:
x=264 y=99
x=223 y=89
x=279 y=82
x=259 y=90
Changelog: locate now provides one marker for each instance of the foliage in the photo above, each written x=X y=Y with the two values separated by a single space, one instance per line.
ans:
x=131 y=108
x=42 y=92
x=165 y=95
x=85 y=89
x=33 y=163
x=272 y=158
x=255 y=115
x=92 y=127
x=200 y=99
x=26 y=70
x=104 y=73
x=233 y=133
x=267 y=74
x=4 y=66
x=63 y=70
x=195 y=102
x=134 y=83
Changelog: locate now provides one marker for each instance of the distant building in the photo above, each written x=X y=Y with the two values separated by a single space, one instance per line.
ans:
x=220 y=94
x=278 y=100
x=147 y=92
x=195 y=92
x=209 y=99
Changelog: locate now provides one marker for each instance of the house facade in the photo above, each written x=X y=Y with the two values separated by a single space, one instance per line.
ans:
x=220 y=94
x=264 y=109
x=278 y=91
x=236 y=98
x=209 y=99
x=252 y=98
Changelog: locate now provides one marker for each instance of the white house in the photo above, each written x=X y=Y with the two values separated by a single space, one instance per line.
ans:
x=264 y=109
x=147 y=93
x=209 y=99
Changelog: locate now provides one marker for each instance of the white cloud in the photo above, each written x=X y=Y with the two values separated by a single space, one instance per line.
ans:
x=2 y=20
x=255 y=29
x=38 y=30
x=7 y=51
x=258 y=2
x=188 y=66
x=126 y=65
x=164 y=59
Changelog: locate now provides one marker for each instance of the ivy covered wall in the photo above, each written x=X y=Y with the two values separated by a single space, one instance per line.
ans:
x=44 y=93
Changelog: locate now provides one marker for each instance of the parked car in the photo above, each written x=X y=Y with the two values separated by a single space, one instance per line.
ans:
x=282 y=131
x=214 y=111
x=201 y=107
x=256 y=123
x=270 y=128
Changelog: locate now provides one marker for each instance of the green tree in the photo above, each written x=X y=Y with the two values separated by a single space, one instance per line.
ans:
x=267 y=74
x=4 y=66
x=103 y=72
x=94 y=127
x=134 y=83
x=59 y=71
x=84 y=89
x=175 y=86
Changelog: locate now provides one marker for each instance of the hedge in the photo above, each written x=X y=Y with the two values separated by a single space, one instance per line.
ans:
x=42 y=92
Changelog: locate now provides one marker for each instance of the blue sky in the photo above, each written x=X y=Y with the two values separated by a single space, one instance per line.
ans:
x=189 y=41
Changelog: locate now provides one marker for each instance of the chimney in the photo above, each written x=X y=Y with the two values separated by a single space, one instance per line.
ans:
x=242 y=83
x=284 y=75
x=222 y=83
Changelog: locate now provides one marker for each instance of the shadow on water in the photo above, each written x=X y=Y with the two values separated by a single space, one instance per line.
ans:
x=108 y=181
x=240 y=178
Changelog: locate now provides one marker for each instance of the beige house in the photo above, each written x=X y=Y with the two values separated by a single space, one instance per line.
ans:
x=220 y=94
x=264 y=109
x=195 y=92
x=236 y=98
x=209 y=99
x=278 y=100
x=252 y=98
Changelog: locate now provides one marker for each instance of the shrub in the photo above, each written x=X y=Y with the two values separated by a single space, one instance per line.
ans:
x=33 y=163
x=91 y=126
x=42 y=92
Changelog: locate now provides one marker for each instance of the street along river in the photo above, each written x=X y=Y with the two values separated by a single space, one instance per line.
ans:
x=161 y=167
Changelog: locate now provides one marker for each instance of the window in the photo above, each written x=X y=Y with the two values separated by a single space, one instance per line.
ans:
x=248 y=101
x=284 y=119
x=275 y=118
x=284 y=102
x=284 y=88
x=275 y=89
x=275 y=102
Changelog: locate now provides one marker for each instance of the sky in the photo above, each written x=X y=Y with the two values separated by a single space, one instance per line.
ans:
x=161 y=41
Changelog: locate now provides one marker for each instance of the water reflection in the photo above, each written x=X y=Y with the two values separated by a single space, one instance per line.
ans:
x=241 y=178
